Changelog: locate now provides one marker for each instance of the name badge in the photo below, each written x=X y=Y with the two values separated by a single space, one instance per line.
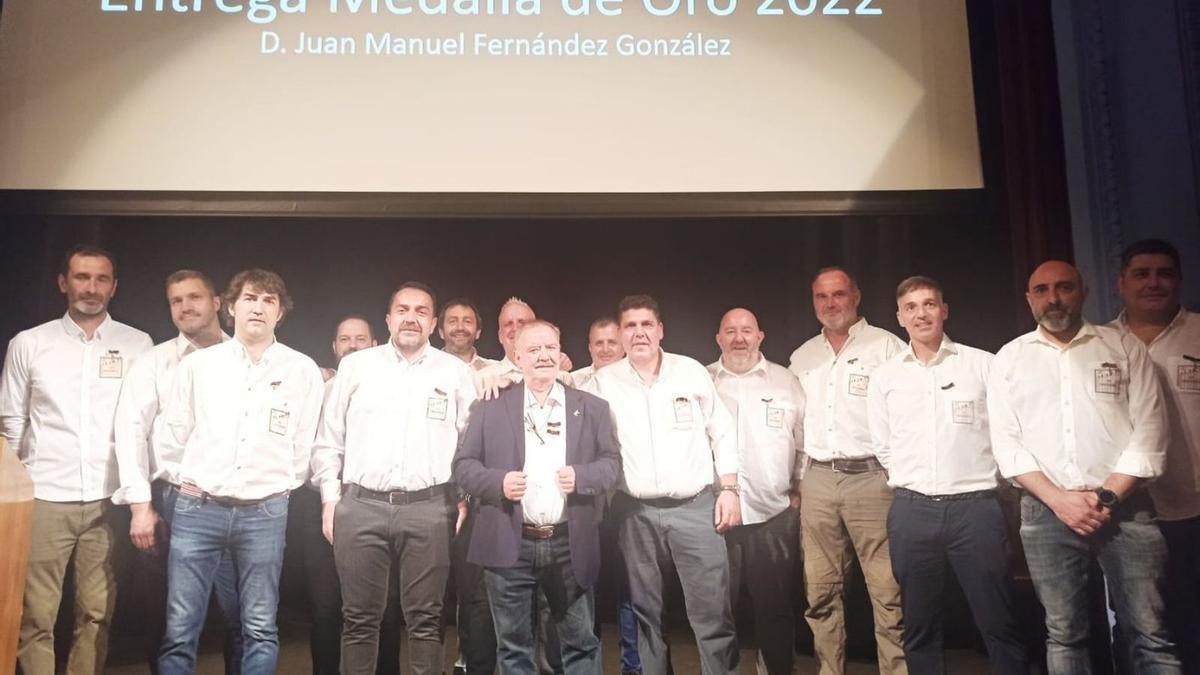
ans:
x=1108 y=379
x=436 y=408
x=1187 y=377
x=858 y=384
x=774 y=417
x=962 y=412
x=279 y=421
x=683 y=410
x=111 y=367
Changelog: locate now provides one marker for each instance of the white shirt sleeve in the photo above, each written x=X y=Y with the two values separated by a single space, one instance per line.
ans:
x=722 y=433
x=877 y=420
x=14 y=393
x=137 y=407
x=329 y=449
x=1145 y=455
x=1008 y=446
x=179 y=414
x=306 y=426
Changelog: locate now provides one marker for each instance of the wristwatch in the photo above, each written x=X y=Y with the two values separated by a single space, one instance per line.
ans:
x=1108 y=498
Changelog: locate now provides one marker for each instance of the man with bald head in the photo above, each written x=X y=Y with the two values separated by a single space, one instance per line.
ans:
x=514 y=313
x=1078 y=421
x=846 y=496
x=767 y=404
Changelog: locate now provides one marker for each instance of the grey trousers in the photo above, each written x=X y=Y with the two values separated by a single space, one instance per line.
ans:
x=367 y=536
x=656 y=536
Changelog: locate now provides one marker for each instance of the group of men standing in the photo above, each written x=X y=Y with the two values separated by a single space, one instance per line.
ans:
x=422 y=464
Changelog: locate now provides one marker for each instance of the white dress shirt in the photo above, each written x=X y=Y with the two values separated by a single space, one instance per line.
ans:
x=670 y=431
x=835 y=388
x=390 y=423
x=929 y=423
x=57 y=400
x=479 y=363
x=1079 y=413
x=545 y=453
x=766 y=403
x=243 y=429
x=1176 y=355
x=144 y=395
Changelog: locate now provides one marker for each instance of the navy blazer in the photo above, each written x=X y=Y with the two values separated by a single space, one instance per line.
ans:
x=494 y=444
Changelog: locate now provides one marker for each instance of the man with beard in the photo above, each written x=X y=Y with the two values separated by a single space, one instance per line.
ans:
x=353 y=333
x=1150 y=285
x=59 y=392
x=846 y=497
x=458 y=326
x=382 y=461
x=1078 y=421
x=150 y=475
x=766 y=403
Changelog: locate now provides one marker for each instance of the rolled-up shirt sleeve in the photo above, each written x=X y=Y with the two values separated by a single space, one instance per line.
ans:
x=329 y=449
x=1145 y=454
x=1008 y=447
x=137 y=406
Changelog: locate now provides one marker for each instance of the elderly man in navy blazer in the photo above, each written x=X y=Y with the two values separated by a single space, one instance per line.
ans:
x=539 y=457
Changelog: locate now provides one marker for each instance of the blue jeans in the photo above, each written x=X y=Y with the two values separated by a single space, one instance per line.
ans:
x=543 y=564
x=163 y=498
x=202 y=533
x=1132 y=554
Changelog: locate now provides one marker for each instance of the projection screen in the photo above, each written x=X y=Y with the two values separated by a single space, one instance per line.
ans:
x=508 y=96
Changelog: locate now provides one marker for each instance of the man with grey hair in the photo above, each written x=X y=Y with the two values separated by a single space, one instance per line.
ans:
x=150 y=475
x=846 y=496
x=1078 y=421
x=538 y=457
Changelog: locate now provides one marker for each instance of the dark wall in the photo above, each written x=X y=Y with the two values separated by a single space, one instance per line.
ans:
x=571 y=271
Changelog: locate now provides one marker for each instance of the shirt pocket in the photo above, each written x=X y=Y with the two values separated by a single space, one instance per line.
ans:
x=1183 y=375
x=684 y=412
x=1107 y=382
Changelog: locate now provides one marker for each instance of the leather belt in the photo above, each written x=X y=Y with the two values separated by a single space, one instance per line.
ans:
x=193 y=491
x=959 y=497
x=864 y=465
x=400 y=497
x=540 y=532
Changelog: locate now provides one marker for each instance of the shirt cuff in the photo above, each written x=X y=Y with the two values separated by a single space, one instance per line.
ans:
x=1019 y=463
x=133 y=494
x=331 y=491
x=1140 y=464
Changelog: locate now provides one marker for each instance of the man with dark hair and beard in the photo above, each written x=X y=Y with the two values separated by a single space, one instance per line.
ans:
x=1078 y=421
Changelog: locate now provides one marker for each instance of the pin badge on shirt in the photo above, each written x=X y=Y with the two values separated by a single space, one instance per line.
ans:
x=279 y=421
x=1108 y=379
x=858 y=384
x=111 y=366
x=962 y=412
x=683 y=410
x=275 y=385
x=1187 y=375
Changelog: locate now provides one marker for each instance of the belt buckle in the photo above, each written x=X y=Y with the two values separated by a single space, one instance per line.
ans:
x=397 y=498
x=542 y=531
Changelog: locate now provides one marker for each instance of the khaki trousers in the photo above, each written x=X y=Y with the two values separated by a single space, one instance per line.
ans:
x=61 y=530
x=842 y=515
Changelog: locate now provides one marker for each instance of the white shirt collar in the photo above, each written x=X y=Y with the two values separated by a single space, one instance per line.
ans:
x=1086 y=332
x=401 y=358
x=184 y=346
x=855 y=329
x=75 y=331
x=557 y=397
x=948 y=346
x=759 y=367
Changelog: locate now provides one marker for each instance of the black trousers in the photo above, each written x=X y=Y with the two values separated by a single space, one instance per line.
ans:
x=969 y=537
x=762 y=557
x=476 y=634
x=325 y=596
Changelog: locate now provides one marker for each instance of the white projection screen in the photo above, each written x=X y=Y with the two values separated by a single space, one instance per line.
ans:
x=505 y=96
